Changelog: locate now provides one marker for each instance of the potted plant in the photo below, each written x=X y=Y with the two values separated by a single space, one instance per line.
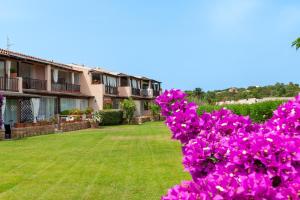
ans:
x=13 y=72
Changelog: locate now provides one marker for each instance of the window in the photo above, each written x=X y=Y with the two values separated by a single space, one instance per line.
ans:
x=96 y=78
x=47 y=108
x=25 y=70
x=135 y=84
x=116 y=104
x=155 y=86
x=13 y=67
x=110 y=81
x=69 y=104
x=64 y=77
x=145 y=86
x=76 y=78
x=146 y=105
x=124 y=81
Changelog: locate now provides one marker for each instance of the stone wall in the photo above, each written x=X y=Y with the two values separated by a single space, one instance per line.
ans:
x=65 y=127
x=45 y=129
x=32 y=131
x=141 y=120
x=2 y=134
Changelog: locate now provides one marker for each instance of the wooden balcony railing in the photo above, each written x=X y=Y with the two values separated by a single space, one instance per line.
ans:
x=135 y=91
x=36 y=84
x=9 y=84
x=111 y=90
x=65 y=87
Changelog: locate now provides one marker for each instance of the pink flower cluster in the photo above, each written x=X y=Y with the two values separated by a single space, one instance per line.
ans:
x=229 y=157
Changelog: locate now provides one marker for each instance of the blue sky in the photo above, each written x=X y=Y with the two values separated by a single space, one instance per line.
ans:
x=211 y=44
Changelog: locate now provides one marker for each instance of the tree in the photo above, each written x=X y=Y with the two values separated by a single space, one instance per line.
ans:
x=198 y=92
x=296 y=43
x=129 y=108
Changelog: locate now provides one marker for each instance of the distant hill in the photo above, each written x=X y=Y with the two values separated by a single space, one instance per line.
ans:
x=235 y=94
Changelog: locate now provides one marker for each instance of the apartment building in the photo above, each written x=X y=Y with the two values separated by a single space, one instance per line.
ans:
x=36 y=89
x=110 y=88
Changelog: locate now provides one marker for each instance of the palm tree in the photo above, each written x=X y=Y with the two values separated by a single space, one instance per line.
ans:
x=296 y=43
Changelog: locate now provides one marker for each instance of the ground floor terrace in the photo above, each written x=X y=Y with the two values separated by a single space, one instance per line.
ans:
x=29 y=108
x=142 y=104
x=120 y=162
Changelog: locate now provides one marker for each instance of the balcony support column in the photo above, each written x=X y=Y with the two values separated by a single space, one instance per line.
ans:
x=72 y=78
x=48 y=77
x=7 y=73
x=8 y=66
x=20 y=84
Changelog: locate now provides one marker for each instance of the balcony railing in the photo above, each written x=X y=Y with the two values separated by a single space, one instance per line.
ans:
x=147 y=93
x=111 y=90
x=156 y=93
x=36 y=84
x=135 y=91
x=9 y=84
x=65 y=87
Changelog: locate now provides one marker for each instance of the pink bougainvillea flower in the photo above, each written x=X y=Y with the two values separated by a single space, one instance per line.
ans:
x=229 y=157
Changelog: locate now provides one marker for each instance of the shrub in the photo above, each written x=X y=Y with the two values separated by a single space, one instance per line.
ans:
x=13 y=70
x=65 y=112
x=229 y=156
x=76 y=111
x=129 y=108
x=155 y=109
x=98 y=116
x=107 y=106
x=88 y=111
x=258 y=112
x=111 y=117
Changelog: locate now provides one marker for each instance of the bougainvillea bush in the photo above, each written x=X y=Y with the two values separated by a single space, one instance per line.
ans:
x=229 y=156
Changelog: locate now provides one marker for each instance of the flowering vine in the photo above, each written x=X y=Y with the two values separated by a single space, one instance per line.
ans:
x=229 y=156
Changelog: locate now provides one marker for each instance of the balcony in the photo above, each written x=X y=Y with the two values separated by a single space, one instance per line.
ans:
x=156 y=93
x=147 y=93
x=36 y=84
x=65 y=87
x=135 y=91
x=9 y=84
x=111 y=90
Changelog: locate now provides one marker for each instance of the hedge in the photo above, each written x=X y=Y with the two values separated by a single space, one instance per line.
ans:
x=111 y=117
x=258 y=112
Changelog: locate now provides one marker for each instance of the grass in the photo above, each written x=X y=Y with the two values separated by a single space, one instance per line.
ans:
x=120 y=162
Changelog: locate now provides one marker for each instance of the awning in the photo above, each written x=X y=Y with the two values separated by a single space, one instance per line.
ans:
x=55 y=93
x=18 y=94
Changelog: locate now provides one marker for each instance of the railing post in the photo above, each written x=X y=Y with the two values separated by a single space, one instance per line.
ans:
x=48 y=77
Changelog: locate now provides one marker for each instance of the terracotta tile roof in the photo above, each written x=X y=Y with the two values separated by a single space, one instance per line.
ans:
x=98 y=69
x=14 y=54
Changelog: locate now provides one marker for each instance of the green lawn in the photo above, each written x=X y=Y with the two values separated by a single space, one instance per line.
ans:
x=120 y=162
